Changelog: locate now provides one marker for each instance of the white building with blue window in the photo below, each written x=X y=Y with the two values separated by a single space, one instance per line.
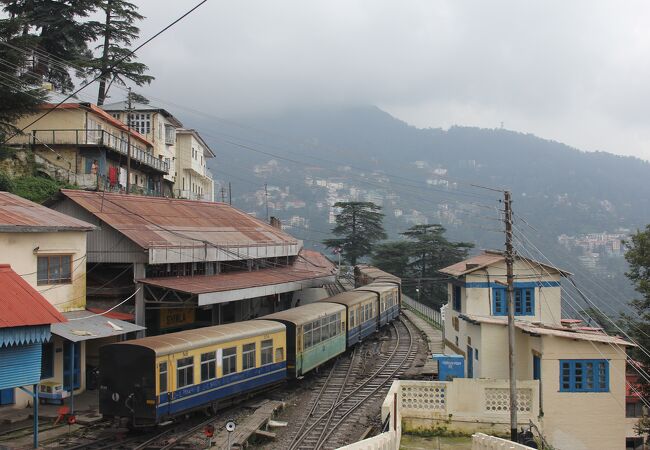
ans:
x=580 y=370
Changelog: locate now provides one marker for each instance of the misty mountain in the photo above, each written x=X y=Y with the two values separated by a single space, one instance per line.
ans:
x=427 y=175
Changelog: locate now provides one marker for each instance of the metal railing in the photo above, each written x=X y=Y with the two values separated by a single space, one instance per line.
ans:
x=426 y=311
x=97 y=137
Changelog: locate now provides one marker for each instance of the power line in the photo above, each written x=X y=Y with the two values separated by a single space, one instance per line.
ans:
x=103 y=73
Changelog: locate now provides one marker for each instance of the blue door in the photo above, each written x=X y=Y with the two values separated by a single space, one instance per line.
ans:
x=68 y=349
x=470 y=362
x=537 y=367
x=7 y=396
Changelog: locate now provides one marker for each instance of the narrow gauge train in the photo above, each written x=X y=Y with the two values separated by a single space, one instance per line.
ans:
x=151 y=380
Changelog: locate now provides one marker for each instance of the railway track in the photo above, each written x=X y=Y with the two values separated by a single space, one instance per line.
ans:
x=338 y=404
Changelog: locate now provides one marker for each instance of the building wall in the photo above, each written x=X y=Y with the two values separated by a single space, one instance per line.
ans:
x=21 y=250
x=583 y=420
x=193 y=180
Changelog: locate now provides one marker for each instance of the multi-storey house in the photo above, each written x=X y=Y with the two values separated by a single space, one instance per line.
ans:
x=194 y=180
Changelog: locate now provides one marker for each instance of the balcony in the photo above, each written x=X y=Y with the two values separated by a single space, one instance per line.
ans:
x=99 y=138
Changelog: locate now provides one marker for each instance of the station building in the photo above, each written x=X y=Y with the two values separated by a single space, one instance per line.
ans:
x=190 y=263
x=47 y=250
x=573 y=378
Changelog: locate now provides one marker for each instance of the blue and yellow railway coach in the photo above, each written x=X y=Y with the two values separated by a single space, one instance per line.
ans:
x=388 y=295
x=362 y=313
x=155 y=378
x=315 y=334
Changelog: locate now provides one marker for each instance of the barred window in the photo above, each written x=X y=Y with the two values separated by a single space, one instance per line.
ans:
x=185 y=372
x=54 y=269
x=266 y=352
x=141 y=122
x=248 y=356
x=229 y=360
x=208 y=366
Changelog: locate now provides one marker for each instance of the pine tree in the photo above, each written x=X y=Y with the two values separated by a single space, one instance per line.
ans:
x=20 y=91
x=360 y=225
x=60 y=35
x=116 y=34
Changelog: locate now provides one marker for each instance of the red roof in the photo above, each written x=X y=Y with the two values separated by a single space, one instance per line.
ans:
x=158 y=222
x=21 y=304
x=19 y=214
x=113 y=314
x=308 y=265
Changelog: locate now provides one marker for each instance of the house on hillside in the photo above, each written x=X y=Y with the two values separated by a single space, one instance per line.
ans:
x=47 y=250
x=82 y=144
x=577 y=374
x=194 y=263
x=182 y=149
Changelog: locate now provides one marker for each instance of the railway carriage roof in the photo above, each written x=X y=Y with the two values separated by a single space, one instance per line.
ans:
x=349 y=298
x=306 y=313
x=378 y=287
x=202 y=337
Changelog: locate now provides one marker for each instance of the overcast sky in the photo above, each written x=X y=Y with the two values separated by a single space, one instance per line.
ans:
x=573 y=71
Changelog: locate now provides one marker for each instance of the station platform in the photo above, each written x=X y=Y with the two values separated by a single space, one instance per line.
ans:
x=434 y=341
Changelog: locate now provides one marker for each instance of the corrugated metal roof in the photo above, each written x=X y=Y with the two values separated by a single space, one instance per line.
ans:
x=202 y=337
x=308 y=265
x=156 y=222
x=350 y=298
x=21 y=304
x=556 y=331
x=18 y=214
x=306 y=313
x=376 y=274
x=378 y=287
x=84 y=325
x=489 y=258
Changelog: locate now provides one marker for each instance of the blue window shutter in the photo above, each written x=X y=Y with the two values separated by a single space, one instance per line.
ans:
x=584 y=375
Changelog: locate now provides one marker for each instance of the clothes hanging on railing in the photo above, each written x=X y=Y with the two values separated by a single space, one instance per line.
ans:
x=112 y=175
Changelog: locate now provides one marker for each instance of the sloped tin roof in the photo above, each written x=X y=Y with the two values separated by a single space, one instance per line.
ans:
x=21 y=304
x=308 y=265
x=21 y=215
x=158 y=222
x=489 y=258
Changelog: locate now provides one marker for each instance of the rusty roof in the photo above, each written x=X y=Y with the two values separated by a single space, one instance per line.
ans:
x=18 y=214
x=549 y=330
x=308 y=265
x=21 y=304
x=158 y=222
x=488 y=258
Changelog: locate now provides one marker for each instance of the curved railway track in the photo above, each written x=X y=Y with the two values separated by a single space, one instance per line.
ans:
x=331 y=424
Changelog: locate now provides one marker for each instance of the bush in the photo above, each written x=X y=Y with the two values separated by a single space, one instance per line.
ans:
x=37 y=189
x=6 y=183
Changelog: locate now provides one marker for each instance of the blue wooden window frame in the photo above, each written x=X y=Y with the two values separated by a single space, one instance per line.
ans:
x=537 y=367
x=584 y=375
x=524 y=302
x=456 y=293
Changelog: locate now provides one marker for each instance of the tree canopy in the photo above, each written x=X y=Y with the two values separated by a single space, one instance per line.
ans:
x=360 y=226
x=418 y=258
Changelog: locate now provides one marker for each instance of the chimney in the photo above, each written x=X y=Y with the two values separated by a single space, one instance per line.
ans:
x=275 y=223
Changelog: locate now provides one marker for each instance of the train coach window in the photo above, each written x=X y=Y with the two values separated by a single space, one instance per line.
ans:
x=307 y=329
x=279 y=354
x=248 y=356
x=325 y=329
x=185 y=372
x=333 y=328
x=267 y=352
x=229 y=360
x=316 y=332
x=208 y=366
x=162 y=380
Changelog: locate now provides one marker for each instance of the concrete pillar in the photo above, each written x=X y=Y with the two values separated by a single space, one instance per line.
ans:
x=138 y=273
x=216 y=314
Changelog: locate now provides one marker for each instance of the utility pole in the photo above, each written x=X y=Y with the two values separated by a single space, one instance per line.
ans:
x=229 y=193
x=510 y=278
x=223 y=195
x=129 y=108
x=266 y=196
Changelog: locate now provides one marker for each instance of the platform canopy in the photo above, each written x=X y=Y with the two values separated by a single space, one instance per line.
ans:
x=86 y=325
x=310 y=269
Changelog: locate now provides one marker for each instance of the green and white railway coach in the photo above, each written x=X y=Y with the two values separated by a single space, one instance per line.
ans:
x=315 y=334
x=152 y=379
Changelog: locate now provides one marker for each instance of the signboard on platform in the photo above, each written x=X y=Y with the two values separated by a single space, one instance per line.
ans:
x=176 y=317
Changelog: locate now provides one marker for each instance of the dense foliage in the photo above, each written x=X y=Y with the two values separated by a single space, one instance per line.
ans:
x=417 y=260
x=360 y=226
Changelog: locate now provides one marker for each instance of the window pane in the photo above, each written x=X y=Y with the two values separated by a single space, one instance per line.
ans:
x=267 y=352
x=66 y=262
x=248 y=356
x=42 y=270
x=163 y=377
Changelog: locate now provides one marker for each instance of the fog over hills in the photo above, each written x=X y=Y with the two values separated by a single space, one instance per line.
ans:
x=311 y=158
